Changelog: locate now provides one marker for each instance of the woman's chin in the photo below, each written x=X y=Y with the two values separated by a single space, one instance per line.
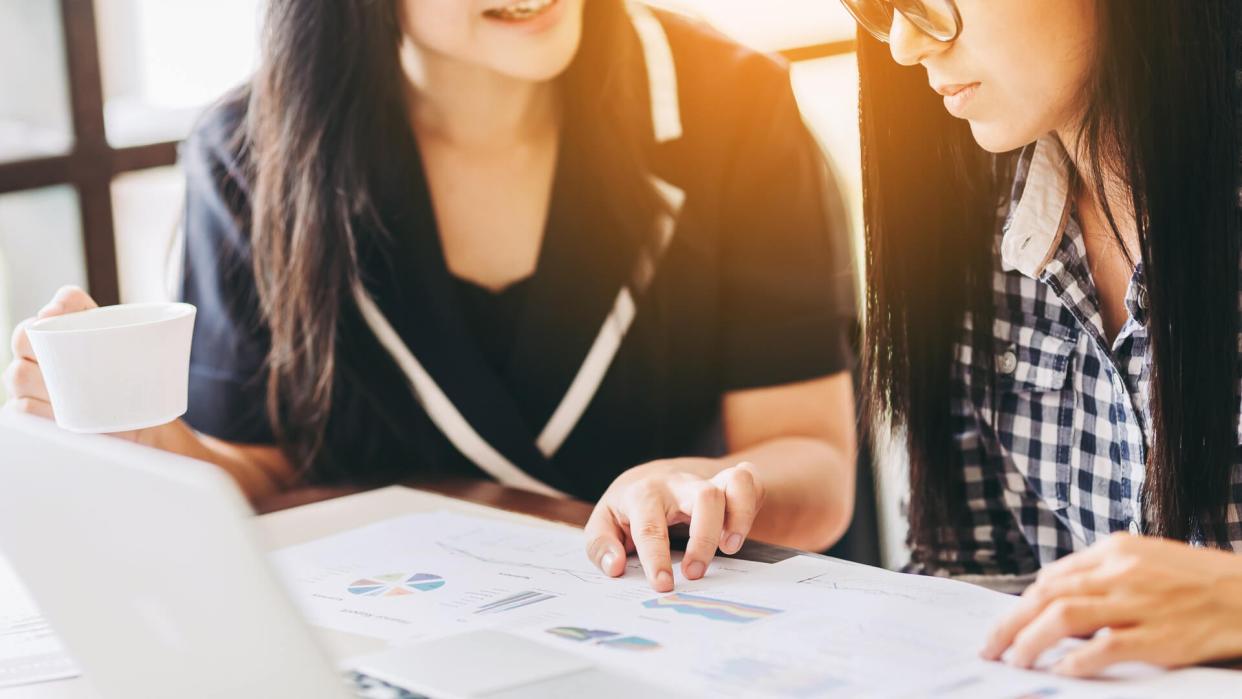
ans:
x=998 y=138
x=537 y=57
x=537 y=69
x=535 y=63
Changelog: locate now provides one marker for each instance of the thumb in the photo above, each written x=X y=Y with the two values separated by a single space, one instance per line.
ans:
x=604 y=547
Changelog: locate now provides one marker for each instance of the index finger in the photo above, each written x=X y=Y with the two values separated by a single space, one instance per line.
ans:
x=1034 y=601
x=1072 y=617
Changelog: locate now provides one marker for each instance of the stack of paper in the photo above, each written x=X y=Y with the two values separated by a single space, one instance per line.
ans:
x=804 y=627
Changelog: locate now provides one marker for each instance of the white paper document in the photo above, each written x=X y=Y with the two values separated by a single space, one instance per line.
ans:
x=804 y=627
x=29 y=650
x=428 y=575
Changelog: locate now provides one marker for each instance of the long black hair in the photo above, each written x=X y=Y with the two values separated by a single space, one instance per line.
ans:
x=1159 y=114
x=324 y=108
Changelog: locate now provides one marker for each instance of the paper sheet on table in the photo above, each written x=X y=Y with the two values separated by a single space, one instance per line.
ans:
x=804 y=627
x=29 y=650
x=427 y=575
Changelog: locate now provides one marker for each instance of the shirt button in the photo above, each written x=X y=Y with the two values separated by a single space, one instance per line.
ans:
x=1143 y=301
x=1007 y=362
x=1135 y=529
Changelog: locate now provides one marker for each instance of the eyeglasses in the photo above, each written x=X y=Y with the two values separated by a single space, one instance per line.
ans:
x=938 y=19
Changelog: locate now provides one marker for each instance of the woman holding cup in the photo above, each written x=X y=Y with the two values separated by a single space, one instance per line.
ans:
x=581 y=248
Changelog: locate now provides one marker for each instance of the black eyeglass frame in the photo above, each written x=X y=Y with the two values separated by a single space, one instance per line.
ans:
x=914 y=18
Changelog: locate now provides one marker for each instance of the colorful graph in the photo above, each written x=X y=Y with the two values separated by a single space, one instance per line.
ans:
x=630 y=643
x=609 y=639
x=575 y=633
x=521 y=599
x=395 y=584
x=711 y=608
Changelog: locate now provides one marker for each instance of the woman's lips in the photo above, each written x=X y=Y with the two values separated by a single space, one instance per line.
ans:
x=521 y=11
x=957 y=96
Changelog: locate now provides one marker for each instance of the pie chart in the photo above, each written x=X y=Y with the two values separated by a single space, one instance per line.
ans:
x=395 y=584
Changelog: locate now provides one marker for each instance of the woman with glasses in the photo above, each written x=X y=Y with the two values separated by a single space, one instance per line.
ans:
x=1051 y=193
x=582 y=248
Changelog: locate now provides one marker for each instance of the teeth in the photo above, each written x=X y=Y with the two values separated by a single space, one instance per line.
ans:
x=523 y=9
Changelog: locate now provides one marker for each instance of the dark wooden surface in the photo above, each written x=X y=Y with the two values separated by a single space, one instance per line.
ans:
x=574 y=512
x=487 y=493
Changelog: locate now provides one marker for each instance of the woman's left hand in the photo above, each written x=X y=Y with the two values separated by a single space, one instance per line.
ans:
x=1162 y=602
x=637 y=509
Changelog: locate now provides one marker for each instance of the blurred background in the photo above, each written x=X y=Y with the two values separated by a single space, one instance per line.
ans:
x=95 y=95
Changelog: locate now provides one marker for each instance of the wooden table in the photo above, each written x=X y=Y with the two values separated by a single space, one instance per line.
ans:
x=479 y=492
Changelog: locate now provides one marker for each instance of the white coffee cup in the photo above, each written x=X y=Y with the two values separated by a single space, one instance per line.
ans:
x=116 y=368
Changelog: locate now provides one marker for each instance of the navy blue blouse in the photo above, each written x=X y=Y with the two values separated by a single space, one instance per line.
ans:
x=754 y=290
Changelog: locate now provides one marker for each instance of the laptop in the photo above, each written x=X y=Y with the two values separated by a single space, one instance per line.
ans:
x=146 y=565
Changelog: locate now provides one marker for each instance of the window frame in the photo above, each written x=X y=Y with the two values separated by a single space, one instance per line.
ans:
x=92 y=163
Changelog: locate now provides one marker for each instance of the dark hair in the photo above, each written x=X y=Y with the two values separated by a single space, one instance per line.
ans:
x=1159 y=114
x=324 y=107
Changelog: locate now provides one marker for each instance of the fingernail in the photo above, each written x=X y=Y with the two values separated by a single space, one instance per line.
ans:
x=733 y=543
x=695 y=570
x=606 y=562
x=664 y=580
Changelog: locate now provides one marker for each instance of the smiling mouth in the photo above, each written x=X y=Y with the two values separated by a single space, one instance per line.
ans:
x=520 y=11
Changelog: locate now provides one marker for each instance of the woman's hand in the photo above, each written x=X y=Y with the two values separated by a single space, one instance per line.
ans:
x=1160 y=602
x=260 y=470
x=640 y=505
x=23 y=379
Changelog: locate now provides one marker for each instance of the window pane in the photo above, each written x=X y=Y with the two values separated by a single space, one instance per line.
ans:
x=827 y=91
x=164 y=60
x=40 y=251
x=772 y=25
x=34 y=101
x=146 y=207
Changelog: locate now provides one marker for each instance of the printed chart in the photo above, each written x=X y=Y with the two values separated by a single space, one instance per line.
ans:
x=711 y=608
x=521 y=599
x=606 y=639
x=395 y=585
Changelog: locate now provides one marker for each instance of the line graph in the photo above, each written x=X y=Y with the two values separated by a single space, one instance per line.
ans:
x=580 y=574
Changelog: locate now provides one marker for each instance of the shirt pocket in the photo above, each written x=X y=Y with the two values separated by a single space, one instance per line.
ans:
x=1030 y=409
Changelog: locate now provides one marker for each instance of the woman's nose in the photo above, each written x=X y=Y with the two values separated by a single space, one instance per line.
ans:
x=909 y=44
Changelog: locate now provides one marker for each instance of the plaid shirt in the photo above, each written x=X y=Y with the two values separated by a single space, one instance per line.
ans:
x=1056 y=461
